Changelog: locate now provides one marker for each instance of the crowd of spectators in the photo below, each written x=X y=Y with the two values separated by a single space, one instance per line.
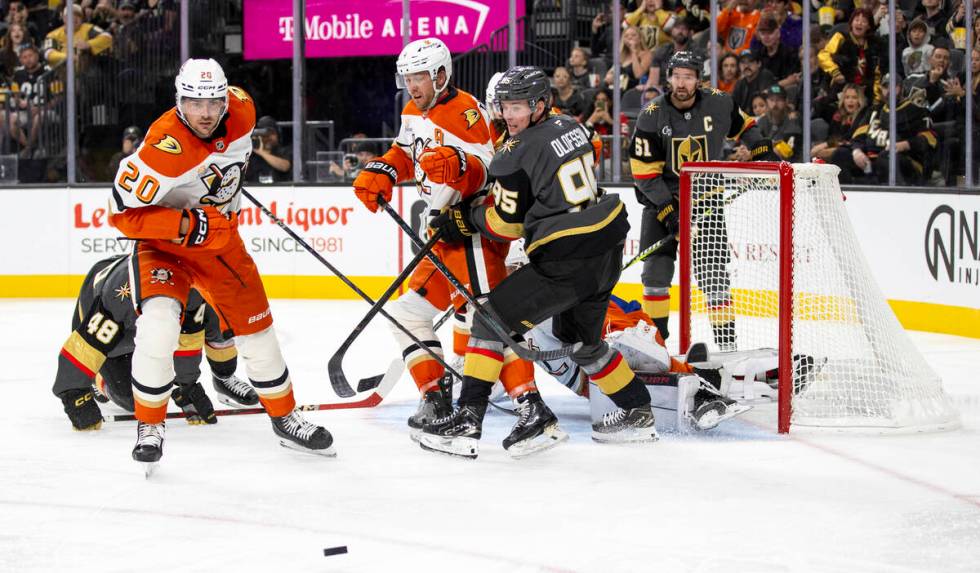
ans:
x=760 y=63
x=34 y=46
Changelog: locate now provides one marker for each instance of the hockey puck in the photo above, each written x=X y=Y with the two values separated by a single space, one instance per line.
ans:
x=340 y=549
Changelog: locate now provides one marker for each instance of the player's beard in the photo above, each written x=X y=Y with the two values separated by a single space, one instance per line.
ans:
x=682 y=96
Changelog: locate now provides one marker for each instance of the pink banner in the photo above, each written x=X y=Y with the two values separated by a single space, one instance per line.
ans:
x=337 y=28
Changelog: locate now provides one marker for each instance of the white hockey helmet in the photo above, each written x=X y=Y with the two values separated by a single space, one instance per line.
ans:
x=201 y=79
x=425 y=55
x=490 y=100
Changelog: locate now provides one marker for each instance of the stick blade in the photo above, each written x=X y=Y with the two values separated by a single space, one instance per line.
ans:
x=338 y=380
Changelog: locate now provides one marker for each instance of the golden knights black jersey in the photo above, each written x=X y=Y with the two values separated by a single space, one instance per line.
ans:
x=666 y=138
x=544 y=189
x=104 y=325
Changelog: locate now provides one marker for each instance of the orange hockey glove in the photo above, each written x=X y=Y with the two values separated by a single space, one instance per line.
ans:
x=209 y=228
x=444 y=164
x=376 y=179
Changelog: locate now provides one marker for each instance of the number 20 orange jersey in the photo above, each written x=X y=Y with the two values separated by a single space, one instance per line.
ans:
x=174 y=169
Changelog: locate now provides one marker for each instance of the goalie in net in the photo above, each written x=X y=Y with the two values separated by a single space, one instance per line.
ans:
x=687 y=124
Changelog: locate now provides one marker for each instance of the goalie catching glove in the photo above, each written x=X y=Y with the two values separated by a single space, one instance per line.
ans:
x=376 y=179
x=207 y=228
x=669 y=216
x=454 y=223
x=444 y=164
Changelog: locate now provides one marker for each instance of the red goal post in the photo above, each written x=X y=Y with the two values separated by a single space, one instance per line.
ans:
x=767 y=249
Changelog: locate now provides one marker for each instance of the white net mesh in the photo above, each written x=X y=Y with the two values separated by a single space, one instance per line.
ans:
x=854 y=365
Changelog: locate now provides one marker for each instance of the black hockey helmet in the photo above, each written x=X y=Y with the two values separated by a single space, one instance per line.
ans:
x=688 y=60
x=526 y=83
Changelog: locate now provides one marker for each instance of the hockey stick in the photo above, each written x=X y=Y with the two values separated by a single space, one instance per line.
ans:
x=492 y=320
x=335 y=367
x=389 y=379
x=642 y=255
x=344 y=391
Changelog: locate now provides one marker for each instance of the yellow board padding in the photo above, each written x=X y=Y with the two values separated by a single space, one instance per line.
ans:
x=923 y=316
x=276 y=286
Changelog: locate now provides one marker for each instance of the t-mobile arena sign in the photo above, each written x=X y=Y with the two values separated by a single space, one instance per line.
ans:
x=337 y=28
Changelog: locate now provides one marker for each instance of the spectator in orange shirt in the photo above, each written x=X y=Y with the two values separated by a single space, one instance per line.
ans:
x=737 y=24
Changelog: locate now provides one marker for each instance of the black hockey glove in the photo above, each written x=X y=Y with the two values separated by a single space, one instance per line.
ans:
x=195 y=404
x=82 y=410
x=454 y=223
x=669 y=215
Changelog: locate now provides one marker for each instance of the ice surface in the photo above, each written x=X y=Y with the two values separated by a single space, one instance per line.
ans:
x=228 y=497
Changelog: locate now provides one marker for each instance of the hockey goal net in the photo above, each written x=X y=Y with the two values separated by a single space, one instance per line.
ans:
x=768 y=259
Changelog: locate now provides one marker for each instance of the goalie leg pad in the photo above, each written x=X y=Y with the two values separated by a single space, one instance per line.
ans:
x=157 y=337
x=639 y=347
x=267 y=371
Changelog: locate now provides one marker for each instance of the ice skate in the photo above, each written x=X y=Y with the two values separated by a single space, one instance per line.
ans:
x=195 y=404
x=431 y=406
x=234 y=392
x=149 y=446
x=536 y=430
x=457 y=434
x=296 y=433
x=98 y=389
x=711 y=410
x=626 y=426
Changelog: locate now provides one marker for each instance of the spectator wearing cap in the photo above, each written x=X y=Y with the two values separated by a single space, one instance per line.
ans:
x=754 y=79
x=354 y=162
x=915 y=58
x=737 y=24
x=270 y=161
x=131 y=139
x=790 y=24
x=782 y=61
x=680 y=36
x=28 y=100
x=852 y=56
x=126 y=32
x=89 y=41
x=784 y=131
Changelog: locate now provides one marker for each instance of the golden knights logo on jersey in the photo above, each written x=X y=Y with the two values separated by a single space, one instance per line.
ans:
x=687 y=149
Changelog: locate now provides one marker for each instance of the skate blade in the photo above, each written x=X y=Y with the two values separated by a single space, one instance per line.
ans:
x=414 y=434
x=233 y=404
x=634 y=436
x=549 y=438
x=713 y=418
x=467 y=448
x=149 y=468
x=327 y=453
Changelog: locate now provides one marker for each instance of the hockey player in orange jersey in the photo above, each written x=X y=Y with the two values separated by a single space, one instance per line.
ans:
x=178 y=196
x=444 y=146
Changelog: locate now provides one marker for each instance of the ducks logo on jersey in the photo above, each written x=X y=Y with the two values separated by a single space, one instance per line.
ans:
x=222 y=184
